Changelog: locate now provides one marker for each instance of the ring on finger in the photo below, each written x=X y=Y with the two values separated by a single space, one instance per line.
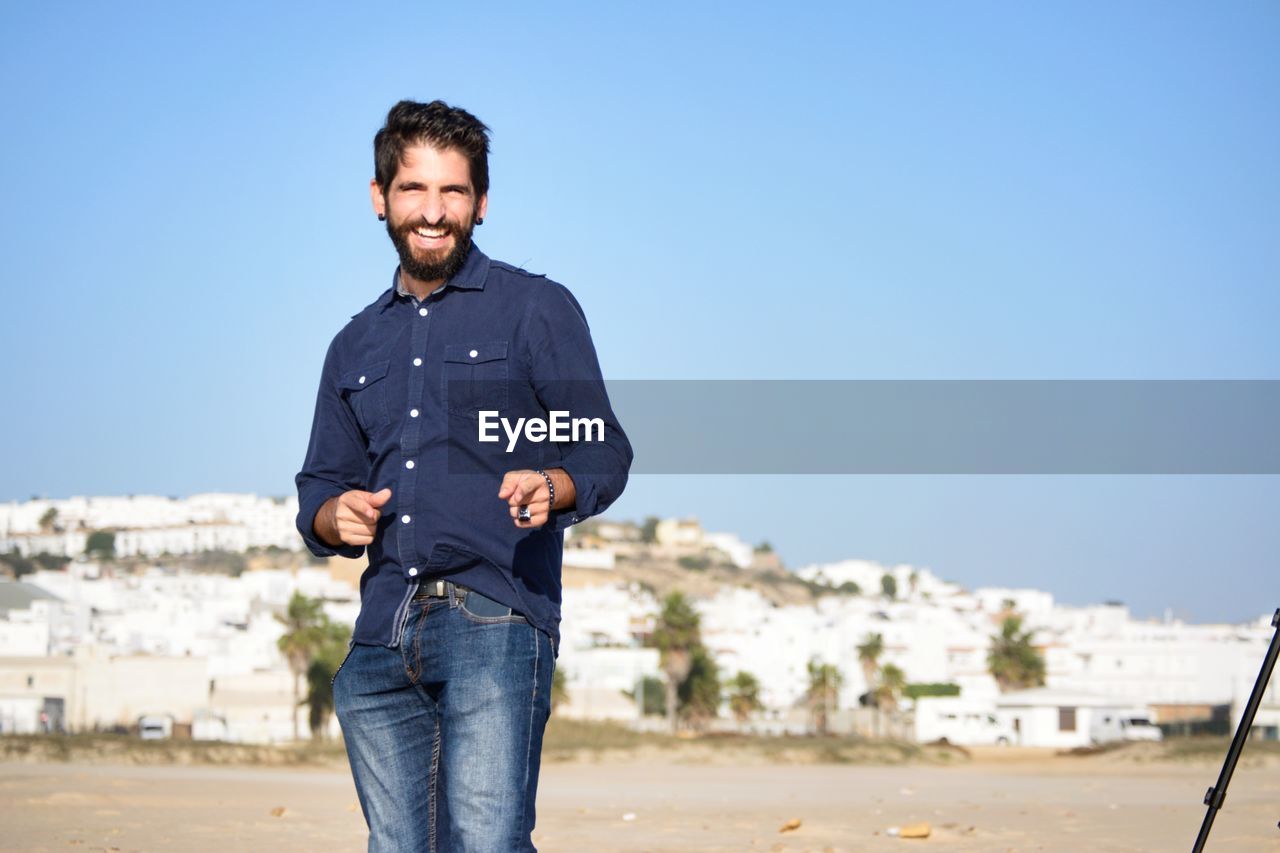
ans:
x=523 y=515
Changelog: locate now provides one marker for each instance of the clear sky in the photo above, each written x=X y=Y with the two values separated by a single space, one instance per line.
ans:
x=908 y=190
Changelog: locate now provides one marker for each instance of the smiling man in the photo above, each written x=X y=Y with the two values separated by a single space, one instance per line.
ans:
x=445 y=690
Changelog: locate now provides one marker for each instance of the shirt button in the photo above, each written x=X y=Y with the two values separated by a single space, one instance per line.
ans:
x=474 y=353
x=422 y=311
x=412 y=572
x=361 y=380
x=413 y=413
x=409 y=464
x=404 y=519
x=417 y=362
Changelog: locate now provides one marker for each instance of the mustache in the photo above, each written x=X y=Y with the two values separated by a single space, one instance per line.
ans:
x=448 y=226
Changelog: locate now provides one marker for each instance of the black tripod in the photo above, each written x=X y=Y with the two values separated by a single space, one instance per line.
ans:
x=1218 y=792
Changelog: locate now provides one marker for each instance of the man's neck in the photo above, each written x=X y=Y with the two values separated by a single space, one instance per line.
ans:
x=420 y=289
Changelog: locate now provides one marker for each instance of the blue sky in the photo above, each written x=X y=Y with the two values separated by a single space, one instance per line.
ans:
x=923 y=190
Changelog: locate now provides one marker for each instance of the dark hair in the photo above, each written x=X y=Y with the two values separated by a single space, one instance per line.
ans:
x=436 y=124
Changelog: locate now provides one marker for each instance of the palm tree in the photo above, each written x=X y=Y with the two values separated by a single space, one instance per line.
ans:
x=49 y=519
x=869 y=657
x=559 y=689
x=744 y=696
x=892 y=682
x=303 y=635
x=676 y=635
x=699 y=695
x=1013 y=661
x=825 y=681
x=326 y=658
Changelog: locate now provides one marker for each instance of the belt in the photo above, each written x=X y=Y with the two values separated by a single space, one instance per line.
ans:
x=439 y=589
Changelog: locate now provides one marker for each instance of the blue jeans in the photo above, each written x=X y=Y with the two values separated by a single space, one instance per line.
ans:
x=444 y=733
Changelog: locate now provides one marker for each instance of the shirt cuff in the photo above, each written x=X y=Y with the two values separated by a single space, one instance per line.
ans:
x=307 y=509
x=585 y=489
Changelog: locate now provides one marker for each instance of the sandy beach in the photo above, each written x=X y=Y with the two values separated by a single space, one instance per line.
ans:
x=999 y=800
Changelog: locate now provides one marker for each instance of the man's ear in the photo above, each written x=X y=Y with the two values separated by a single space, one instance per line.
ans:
x=379 y=201
x=482 y=207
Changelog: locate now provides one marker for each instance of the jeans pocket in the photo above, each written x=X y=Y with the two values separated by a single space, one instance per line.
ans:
x=350 y=648
x=481 y=608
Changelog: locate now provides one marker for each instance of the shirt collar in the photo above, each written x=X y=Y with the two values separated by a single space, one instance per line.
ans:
x=471 y=277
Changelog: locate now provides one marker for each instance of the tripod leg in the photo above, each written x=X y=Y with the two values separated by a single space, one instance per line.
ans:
x=1218 y=793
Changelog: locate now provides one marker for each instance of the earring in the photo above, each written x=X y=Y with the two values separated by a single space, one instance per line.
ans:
x=479 y=220
x=382 y=217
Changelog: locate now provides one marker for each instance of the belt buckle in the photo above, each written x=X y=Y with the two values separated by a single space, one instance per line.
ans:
x=435 y=588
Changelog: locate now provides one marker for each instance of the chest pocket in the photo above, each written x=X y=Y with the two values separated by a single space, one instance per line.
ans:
x=366 y=390
x=475 y=377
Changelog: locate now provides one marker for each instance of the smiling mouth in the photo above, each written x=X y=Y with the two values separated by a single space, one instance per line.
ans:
x=431 y=233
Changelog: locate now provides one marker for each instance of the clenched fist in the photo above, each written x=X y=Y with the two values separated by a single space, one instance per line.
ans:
x=526 y=488
x=351 y=518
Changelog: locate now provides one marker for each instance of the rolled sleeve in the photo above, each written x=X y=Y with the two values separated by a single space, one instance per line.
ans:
x=336 y=461
x=566 y=377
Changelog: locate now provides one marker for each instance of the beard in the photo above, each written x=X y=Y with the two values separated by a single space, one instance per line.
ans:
x=439 y=265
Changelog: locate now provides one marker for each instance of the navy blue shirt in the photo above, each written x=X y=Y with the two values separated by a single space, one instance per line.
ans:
x=399 y=406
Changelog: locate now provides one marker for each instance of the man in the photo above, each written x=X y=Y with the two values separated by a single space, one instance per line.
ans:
x=445 y=689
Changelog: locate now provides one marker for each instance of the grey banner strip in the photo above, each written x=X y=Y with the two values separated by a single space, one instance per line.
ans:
x=950 y=426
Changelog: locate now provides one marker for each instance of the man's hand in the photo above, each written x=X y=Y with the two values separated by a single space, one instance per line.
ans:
x=528 y=488
x=351 y=518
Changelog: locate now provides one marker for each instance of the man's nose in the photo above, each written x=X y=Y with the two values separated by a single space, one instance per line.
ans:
x=432 y=209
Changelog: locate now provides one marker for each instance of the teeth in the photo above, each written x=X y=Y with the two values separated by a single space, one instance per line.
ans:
x=429 y=232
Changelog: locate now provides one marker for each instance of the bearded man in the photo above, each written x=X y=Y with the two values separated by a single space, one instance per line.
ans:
x=445 y=689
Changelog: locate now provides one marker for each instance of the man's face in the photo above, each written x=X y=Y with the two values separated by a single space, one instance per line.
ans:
x=431 y=209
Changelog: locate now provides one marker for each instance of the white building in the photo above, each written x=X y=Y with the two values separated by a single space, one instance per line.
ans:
x=601 y=654
x=598 y=679
x=932 y=630
x=910 y=583
x=590 y=558
x=1101 y=649
x=1052 y=717
x=30 y=618
x=150 y=525
x=738 y=552
x=58 y=543
x=684 y=532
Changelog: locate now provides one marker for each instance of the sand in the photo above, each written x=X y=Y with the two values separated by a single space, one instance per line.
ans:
x=1014 y=802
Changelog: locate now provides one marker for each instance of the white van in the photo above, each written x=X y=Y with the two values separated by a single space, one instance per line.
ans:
x=1128 y=724
x=963 y=722
x=155 y=726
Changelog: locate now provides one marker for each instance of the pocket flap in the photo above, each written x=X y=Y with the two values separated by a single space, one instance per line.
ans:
x=446 y=559
x=363 y=377
x=475 y=353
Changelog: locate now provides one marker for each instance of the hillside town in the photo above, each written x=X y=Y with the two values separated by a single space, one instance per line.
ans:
x=164 y=616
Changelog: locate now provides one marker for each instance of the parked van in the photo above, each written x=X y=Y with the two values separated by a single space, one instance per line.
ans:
x=1130 y=724
x=155 y=726
x=961 y=721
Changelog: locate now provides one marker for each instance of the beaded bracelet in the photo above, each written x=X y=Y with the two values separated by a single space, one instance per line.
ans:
x=550 y=486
